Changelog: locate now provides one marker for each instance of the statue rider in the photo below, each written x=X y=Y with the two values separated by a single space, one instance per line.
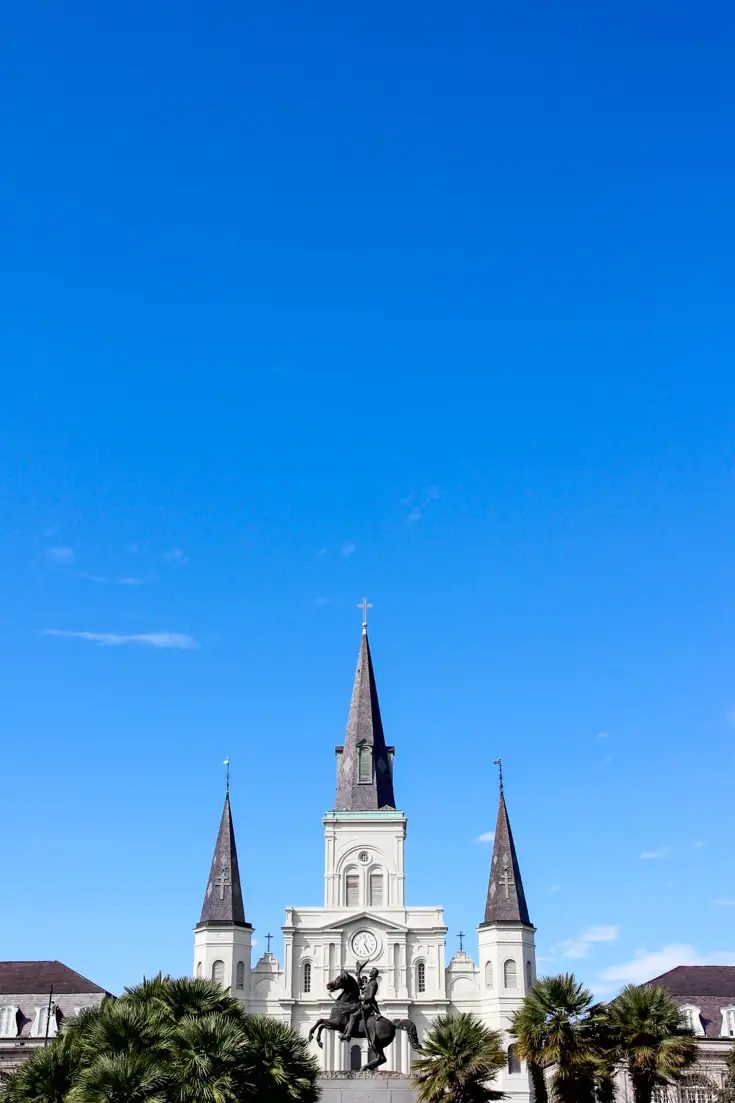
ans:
x=368 y=1003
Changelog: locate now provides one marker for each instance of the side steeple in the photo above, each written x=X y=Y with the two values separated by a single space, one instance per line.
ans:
x=506 y=900
x=364 y=763
x=222 y=937
x=223 y=898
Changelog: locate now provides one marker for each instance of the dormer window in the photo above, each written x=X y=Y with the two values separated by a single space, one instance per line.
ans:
x=45 y=1022
x=8 y=1022
x=691 y=1018
x=364 y=764
x=728 y=1022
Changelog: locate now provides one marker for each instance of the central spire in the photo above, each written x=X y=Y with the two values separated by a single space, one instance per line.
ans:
x=223 y=899
x=364 y=763
x=506 y=899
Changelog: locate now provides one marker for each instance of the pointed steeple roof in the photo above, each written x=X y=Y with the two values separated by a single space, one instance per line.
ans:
x=365 y=764
x=223 y=898
x=506 y=900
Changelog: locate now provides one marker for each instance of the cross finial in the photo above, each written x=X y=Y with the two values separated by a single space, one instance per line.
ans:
x=269 y=939
x=499 y=763
x=226 y=764
x=364 y=605
x=461 y=936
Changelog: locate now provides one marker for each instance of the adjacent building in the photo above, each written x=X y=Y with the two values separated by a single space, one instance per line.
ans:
x=35 y=996
x=365 y=916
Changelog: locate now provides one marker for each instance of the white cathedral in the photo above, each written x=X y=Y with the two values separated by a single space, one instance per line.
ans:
x=365 y=917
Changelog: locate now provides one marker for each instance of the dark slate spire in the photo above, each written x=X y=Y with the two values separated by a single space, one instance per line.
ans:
x=364 y=763
x=223 y=898
x=506 y=900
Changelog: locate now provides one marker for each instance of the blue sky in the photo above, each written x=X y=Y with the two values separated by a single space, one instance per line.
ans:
x=430 y=302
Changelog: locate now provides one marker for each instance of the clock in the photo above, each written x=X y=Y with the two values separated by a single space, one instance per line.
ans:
x=364 y=945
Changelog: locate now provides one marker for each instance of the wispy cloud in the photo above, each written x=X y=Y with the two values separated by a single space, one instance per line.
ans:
x=177 y=640
x=418 y=504
x=648 y=964
x=60 y=554
x=723 y=903
x=580 y=947
x=112 y=581
x=487 y=837
x=555 y=888
x=176 y=555
x=602 y=735
x=698 y=845
x=649 y=855
x=347 y=549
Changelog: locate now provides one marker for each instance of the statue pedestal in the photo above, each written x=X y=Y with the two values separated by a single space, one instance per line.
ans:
x=366 y=1087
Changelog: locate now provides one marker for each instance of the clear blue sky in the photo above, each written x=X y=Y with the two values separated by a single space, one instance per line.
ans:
x=432 y=302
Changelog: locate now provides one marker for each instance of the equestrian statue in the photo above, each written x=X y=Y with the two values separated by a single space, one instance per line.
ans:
x=356 y=1014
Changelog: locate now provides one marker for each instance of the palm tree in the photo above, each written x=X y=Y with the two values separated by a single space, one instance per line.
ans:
x=460 y=1056
x=278 y=1066
x=552 y=1028
x=654 y=1044
x=169 y=1041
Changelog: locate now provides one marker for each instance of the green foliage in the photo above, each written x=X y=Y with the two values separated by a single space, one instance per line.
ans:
x=553 y=1027
x=169 y=1041
x=652 y=1042
x=459 y=1057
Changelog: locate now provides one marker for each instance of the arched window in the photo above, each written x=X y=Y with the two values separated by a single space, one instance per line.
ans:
x=218 y=971
x=355 y=1058
x=199 y=969
x=728 y=1022
x=488 y=974
x=421 y=977
x=8 y=1022
x=307 y=977
x=510 y=975
x=529 y=975
x=240 y=975
x=352 y=888
x=514 y=1065
x=376 y=890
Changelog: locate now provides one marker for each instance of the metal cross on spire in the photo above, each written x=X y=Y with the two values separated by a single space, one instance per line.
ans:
x=226 y=763
x=269 y=939
x=461 y=936
x=499 y=763
x=364 y=605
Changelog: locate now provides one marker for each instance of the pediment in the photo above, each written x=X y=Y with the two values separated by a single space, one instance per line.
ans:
x=368 y=917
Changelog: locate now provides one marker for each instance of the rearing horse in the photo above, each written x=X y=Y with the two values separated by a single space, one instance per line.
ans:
x=381 y=1031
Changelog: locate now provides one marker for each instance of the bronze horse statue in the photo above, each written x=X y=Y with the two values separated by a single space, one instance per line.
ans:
x=378 y=1030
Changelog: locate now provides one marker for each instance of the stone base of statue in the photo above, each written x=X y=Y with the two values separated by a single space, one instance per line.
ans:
x=366 y=1087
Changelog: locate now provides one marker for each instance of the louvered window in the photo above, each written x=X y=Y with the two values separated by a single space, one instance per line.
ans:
x=488 y=974
x=364 y=764
x=352 y=890
x=529 y=975
x=510 y=975
x=240 y=981
x=376 y=890
x=218 y=971
x=514 y=1065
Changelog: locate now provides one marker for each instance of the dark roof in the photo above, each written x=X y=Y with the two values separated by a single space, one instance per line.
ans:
x=223 y=898
x=364 y=727
x=506 y=900
x=707 y=987
x=33 y=977
x=699 y=980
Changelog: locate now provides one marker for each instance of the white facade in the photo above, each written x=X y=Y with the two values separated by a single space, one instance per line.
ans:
x=409 y=950
x=365 y=916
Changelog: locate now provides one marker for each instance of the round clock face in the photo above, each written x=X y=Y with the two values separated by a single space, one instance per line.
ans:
x=364 y=944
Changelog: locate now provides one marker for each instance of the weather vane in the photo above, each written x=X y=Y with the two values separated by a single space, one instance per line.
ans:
x=226 y=763
x=499 y=763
